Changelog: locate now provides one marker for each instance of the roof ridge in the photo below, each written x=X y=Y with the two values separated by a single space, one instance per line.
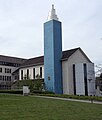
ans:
x=12 y=57
x=35 y=57
x=71 y=49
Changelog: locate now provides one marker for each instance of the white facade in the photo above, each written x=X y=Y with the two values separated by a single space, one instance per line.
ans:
x=6 y=76
x=68 y=87
x=78 y=58
x=7 y=67
x=91 y=79
x=80 y=79
x=31 y=72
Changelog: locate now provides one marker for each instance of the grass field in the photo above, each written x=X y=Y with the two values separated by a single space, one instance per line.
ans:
x=13 y=107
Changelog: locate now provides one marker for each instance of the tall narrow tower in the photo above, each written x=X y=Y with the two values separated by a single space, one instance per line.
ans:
x=53 y=53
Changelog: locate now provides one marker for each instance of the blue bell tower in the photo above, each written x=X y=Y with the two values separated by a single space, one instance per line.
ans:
x=53 y=53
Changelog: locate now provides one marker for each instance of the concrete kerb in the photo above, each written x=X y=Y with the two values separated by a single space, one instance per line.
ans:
x=67 y=99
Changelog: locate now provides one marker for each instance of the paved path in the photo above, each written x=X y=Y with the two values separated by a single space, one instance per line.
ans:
x=67 y=99
x=57 y=98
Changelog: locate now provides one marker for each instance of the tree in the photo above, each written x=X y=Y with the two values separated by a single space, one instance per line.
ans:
x=38 y=84
x=98 y=69
x=35 y=84
x=101 y=75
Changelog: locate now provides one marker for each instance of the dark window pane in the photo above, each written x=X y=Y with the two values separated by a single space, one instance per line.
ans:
x=1 y=70
x=85 y=79
x=33 y=73
x=40 y=72
x=27 y=73
x=74 y=80
x=21 y=74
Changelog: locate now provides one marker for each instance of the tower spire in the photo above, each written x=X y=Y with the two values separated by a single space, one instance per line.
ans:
x=52 y=14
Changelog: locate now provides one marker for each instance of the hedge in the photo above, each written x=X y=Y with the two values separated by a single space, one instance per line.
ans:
x=51 y=94
x=95 y=98
x=12 y=91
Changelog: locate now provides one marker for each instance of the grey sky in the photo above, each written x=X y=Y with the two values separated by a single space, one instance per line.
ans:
x=21 y=26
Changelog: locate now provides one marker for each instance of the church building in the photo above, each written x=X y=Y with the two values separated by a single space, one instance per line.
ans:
x=64 y=72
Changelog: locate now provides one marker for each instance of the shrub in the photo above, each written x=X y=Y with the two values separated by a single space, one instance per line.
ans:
x=95 y=98
x=12 y=91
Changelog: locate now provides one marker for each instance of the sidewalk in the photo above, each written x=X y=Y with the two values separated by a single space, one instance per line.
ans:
x=67 y=99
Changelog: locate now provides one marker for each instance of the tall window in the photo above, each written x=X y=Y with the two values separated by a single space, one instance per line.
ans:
x=3 y=78
x=33 y=73
x=8 y=78
x=40 y=72
x=7 y=70
x=85 y=79
x=21 y=74
x=0 y=77
x=74 y=80
x=27 y=73
x=0 y=70
x=10 y=70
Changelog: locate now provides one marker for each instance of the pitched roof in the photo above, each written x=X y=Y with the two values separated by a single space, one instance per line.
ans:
x=40 y=60
x=10 y=59
x=66 y=54
x=34 y=61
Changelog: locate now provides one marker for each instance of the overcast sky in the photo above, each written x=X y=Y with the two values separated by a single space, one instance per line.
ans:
x=21 y=26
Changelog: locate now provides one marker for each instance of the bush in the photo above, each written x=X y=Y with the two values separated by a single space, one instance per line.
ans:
x=33 y=84
x=40 y=92
x=12 y=91
x=95 y=98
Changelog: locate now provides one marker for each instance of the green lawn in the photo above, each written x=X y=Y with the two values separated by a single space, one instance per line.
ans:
x=13 y=107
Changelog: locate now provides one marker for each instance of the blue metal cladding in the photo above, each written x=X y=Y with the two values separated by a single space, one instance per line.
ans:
x=52 y=56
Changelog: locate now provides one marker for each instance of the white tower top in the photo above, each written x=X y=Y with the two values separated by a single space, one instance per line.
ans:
x=52 y=14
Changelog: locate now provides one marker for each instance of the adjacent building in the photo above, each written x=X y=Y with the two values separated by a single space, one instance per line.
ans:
x=8 y=65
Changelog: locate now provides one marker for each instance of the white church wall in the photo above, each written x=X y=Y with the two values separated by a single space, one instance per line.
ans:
x=79 y=78
x=91 y=79
x=65 y=77
x=76 y=57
